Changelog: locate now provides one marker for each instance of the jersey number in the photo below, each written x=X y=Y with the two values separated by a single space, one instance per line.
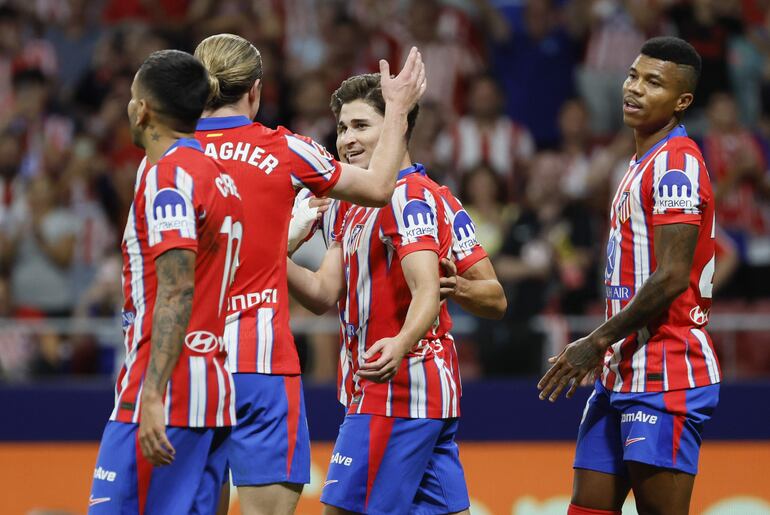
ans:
x=234 y=231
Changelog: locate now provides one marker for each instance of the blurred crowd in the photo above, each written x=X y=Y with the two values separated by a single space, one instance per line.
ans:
x=522 y=119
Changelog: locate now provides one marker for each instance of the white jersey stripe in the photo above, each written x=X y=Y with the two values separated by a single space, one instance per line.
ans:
x=167 y=402
x=417 y=391
x=138 y=404
x=264 y=340
x=692 y=171
x=708 y=355
x=232 y=337
x=184 y=183
x=311 y=156
x=197 y=391
x=150 y=189
x=221 y=392
x=690 y=378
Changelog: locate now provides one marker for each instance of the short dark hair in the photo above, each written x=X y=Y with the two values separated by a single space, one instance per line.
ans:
x=178 y=84
x=678 y=51
x=366 y=87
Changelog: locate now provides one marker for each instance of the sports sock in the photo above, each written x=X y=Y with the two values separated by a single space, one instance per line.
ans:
x=579 y=510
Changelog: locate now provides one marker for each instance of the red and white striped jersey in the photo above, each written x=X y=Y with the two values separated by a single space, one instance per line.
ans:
x=185 y=201
x=374 y=241
x=268 y=166
x=668 y=185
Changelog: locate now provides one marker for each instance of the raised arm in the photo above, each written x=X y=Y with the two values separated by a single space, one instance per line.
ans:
x=477 y=290
x=674 y=251
x=421 y=273
x=374 y=186
x=175 y=270
x=318 y=291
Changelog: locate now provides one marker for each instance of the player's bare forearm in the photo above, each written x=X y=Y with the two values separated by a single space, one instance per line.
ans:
x=317 y=291
x=421 y=273
x=175 y=269
x=674 y=249
x=479 y=292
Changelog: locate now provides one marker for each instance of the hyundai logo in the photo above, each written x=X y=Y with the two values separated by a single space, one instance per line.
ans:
x=202 y=341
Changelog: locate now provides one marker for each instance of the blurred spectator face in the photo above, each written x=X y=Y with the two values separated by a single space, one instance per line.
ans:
x=484 y=99
x=573 y=120
x=422 y=19
x=722 y=112
x=358 y=131
x=311 y=100
x=9 y=155
x=40 y=195
x=544 y=187
x=10 y=32
x=30 y=94
x=482 y=187
x=5 y=298
x=538 y=17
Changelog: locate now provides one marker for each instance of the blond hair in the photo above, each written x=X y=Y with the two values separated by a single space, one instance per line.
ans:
x=233 y=64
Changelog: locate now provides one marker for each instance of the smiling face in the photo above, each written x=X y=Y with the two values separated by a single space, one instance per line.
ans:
x=653 y=93
x=358 y=130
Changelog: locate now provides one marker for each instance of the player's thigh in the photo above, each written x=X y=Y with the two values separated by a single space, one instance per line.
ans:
x=660 y=491
x=224 y=499
x=599 y=490
x=270 y=444
x=275 y=499
x=333 y=510
x=378 y=463
x=600 y=478
x=443 y=489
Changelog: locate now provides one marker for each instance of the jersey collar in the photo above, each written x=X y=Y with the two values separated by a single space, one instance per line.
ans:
x=222 y=122
x=415 y=168
x=676 y=132
x=185 y=142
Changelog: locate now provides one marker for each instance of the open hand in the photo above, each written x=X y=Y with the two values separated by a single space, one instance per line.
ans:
x=576 y=361
x=405 y=89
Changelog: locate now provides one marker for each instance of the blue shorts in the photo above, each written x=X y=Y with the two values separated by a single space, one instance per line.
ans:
x=396 y=465
x=662 y=429
x=126 y=483
x=271 y=443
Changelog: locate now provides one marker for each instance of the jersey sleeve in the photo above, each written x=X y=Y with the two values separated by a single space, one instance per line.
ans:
x=312 y=166
x=466 y=249
x=170 y=212
x=680 y=188
x=410 y=221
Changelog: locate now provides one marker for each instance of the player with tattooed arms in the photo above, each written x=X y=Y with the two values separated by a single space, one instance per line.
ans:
x=163 y=450
x=642 y=426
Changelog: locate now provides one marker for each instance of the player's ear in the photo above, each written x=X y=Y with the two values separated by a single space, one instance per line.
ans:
x=255 y=90
x=142 y=113
x=683 y=102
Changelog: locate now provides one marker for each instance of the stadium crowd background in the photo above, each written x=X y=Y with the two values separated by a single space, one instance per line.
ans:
x=521 y=118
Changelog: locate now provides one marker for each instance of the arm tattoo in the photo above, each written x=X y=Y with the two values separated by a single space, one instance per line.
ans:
x=175 y=270
x=674 y=249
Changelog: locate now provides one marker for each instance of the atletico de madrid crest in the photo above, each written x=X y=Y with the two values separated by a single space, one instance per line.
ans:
x=624 y=207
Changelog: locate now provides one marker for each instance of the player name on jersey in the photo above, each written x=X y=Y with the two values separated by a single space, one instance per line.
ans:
x=268 y=167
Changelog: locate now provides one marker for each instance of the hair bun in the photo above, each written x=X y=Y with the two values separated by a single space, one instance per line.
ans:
x=214 y=88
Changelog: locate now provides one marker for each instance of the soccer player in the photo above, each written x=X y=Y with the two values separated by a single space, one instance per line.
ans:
x=642 y=425
x=395 y=452
x=163 y=450
x=270 y=447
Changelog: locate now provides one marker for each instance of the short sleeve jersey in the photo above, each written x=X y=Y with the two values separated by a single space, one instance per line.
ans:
x=268 y=166
x=185 y=201
x=377 y=298
x=668 y=185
